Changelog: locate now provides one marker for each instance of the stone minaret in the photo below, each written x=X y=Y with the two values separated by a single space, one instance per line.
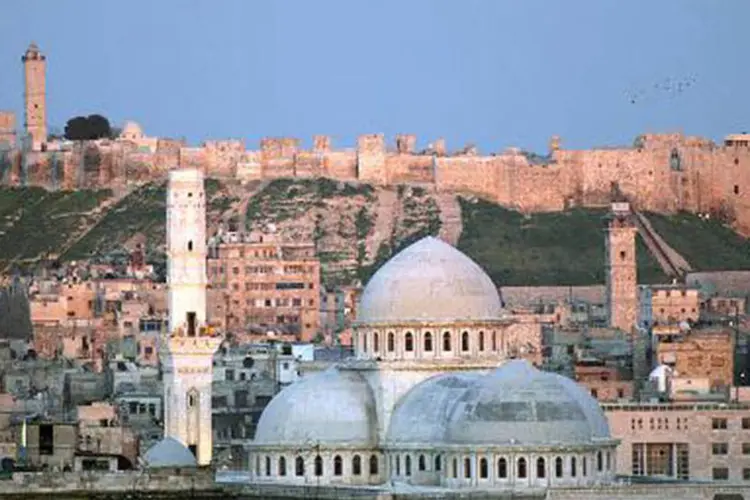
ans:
x=190 y=344
x=35 y=90
x=622 y=286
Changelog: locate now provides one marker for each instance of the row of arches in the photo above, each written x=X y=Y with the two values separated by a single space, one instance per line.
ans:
x=280 y=468
x=372 y=342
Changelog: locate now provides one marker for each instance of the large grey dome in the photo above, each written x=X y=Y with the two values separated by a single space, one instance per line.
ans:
x=331 y=407
x=429 y=281
x=169 y=452
x=513 y=405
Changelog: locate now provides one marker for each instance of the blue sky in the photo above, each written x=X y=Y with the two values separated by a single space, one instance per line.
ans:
x=495 y=73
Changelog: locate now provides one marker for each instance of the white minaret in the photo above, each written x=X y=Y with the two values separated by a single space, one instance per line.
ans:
x=188 y=349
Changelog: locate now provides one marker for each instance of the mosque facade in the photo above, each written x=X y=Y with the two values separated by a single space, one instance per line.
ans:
x=438 y=395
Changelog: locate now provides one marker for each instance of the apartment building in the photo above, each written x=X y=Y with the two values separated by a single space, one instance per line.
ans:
x=258 y=282
x=689 y=440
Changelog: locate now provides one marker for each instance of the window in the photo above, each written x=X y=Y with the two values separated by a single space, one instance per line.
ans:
x=623 y=254
x=46 y=439
x=483 y=469
x=502 y=468
x=746 y=423
x=356 y=465
x=375 y=342
x=599 y=461
x=398 y=465
x=373 y=465
x=268 y=466
x=718 y=423
x=746 y=474
x=282 y=466
x=521 y=468
x=467 y=468
x=318 y=466
x=465 y=341
x=584 y=469
x=391 y=342
x=573 y=468
x=594 y=393
x=337 y=466
x=746 y=448
x=722 y=448
x=541 y=469
x=559 y=467
x=407 y=465
x=364 y=342
x=190 y=246
x=421 y=463
x=438 y=465
x=736 y=189
x=481 y=341
x=428 y=342
x=455 y=468
x=683 y=461
x=446 y=341
x=720 y=473
x=409 y=342
x=299 y=466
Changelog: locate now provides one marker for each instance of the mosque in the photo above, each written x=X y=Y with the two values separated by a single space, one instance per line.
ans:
x=433 y=397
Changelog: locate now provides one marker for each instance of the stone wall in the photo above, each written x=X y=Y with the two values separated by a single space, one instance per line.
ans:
x=663 y=173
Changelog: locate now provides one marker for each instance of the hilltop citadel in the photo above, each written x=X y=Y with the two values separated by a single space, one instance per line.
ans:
x=659 y=172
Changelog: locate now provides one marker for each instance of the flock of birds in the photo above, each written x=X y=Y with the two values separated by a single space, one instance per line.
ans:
x=670 y=87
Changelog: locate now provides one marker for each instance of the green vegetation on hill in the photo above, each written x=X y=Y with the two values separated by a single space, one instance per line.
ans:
x=561 y=248
x=35 y=222
x=707 y=245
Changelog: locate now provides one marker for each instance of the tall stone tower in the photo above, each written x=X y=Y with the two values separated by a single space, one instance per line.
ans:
x=621 y=269
x=35 y=91
x=187 y=350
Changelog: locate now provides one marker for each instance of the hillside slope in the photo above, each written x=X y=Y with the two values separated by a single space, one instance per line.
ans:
x=356 y=228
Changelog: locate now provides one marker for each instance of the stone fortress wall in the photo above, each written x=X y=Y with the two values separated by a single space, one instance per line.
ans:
x=660 y=172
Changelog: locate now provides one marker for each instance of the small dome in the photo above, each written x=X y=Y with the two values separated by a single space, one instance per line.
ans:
x=169 y=452
x=513 y=405
x=430 y=281
x=131 y=130
x=331 y=407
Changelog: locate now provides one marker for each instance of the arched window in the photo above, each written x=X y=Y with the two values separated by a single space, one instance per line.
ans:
x=391 y=342
x=364 y=342
x=257 y=465
x=282 y=466
x=446 y=341
x=483 y=469
x=609 y=461
x=583 y=467
x=421 y=463
x=559 y=467
x=427 y=342
x=481 y=341
x=407 y=465
x=438 y=465
x=521 y=468
x=337 y=466
x=573 y=467
x=465 y=341
x=502 y=468
x=299 y=466
x=455 y=467
x=494 y=341
x=375 y=343
x=541 y=469
x=190 y=246
x=318 y=466
x=409 y=342
x=268 y=466
x=373 y=465
x=467 y=468
x=398 y=465
x=599 y=461
x=356 y=465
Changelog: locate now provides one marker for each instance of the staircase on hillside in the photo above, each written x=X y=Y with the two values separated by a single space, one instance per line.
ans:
x=672 y=263
x=450 y=217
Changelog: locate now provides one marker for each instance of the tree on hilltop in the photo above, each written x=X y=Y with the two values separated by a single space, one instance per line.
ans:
x=87 y=128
